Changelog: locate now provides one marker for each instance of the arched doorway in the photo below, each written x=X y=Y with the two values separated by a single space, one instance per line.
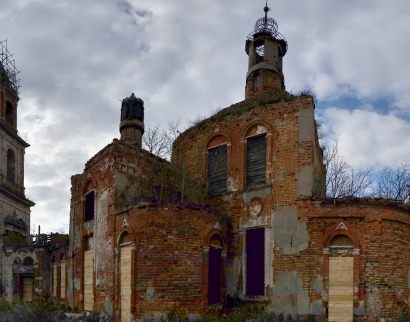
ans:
x=341 y=268
x=215 y=269
x=125 y=276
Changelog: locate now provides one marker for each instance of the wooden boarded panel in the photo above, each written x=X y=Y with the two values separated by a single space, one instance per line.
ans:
x=55 y=280
x=217 y=170
x=27 y=289
x=340 y=289
x=125 y=283
x=256 y=161
x=63 y=280
x=88 y=280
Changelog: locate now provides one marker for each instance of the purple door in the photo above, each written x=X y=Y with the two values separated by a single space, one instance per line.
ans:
x=214 y=276
x=255 y=261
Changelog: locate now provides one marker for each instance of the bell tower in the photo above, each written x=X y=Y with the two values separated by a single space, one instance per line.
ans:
x=265 y=47
x=14 y=205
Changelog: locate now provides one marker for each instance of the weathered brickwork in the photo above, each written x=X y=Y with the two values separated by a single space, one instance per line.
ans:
x=148 y=236
x=14 y=205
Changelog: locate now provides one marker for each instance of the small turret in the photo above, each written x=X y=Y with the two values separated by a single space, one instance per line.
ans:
x=265 y=47
x=132 y=119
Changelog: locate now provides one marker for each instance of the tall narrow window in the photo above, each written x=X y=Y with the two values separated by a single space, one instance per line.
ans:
x=256 y=161
x=9 y=112
x=89 y=206
x=217 y=170
x=255 y=261
x=11 y=165
x=256 y=82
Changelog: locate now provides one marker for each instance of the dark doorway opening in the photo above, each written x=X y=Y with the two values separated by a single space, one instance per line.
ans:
x=255 y=261
x=214 y=275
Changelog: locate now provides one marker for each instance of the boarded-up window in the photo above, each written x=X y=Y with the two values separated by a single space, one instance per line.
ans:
x=63 y=280
x=27 y=288
x=55 y=279
x=89 y=280
x=255 y=261
x=255 y=161
x=89 y=206
x=217 y=170
x=125 y=283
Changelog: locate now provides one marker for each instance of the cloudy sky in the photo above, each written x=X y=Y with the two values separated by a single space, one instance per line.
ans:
x=184 y=58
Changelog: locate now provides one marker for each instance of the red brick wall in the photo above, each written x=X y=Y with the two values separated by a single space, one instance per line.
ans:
x=381 y=235
x=170 y=259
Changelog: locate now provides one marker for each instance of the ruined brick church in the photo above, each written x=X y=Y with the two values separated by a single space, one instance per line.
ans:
x=238 y=214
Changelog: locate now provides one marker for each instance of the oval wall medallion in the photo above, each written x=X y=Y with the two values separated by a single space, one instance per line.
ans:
x=255 y=208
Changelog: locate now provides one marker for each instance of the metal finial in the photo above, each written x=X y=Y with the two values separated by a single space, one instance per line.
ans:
x=266 y=9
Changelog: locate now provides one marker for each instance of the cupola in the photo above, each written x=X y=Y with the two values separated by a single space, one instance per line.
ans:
x=265 y=47
x=132 y=119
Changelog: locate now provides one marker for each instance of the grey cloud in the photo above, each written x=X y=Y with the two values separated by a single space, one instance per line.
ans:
x=183 y=58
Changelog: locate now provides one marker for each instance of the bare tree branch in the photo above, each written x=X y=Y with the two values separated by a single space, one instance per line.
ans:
x=391 y=183
x=342 y=180
x=159 y=142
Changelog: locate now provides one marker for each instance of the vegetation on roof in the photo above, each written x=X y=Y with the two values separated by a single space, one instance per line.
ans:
x=265 y=98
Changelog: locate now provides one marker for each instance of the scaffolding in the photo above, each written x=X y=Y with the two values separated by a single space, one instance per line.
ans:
x=8 y=68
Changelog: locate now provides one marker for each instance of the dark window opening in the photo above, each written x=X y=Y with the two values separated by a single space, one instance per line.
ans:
x=260 y=52
x=256 y=161
x=9 y=112
x=217 y=170
x=256 y=82
x=255 y=261
x=341 y=241
x=11 y=165
x=214 y=275
x=125 y=239
x=89 y=206
x=28 y=261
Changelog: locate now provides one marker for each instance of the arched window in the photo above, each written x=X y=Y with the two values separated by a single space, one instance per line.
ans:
x=89 y=208
x=256 y=156
x=217 y=165
x=28 y=261
x=9 y=112
x=11 y=165
x=341 y=241
x=125 y=238
x=17 y=261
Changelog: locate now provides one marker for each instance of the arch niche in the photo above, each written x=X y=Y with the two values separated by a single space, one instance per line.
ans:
x=125 y=253
x=341 y=278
